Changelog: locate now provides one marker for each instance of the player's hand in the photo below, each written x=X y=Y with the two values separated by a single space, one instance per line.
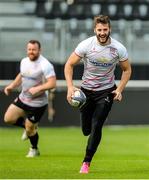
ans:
x=35 y=91
x=8 y=90
x=70 y=93
x=117 y=95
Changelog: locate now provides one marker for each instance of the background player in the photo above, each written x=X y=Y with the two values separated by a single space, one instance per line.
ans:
x=36 y=76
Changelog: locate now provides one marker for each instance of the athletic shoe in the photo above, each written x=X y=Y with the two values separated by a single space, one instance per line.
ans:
x=85 y=168
x=24 y=136
x=33 y=153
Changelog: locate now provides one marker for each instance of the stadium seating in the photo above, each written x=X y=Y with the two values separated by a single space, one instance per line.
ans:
x=116 y=9
x=80 y=9
x=7 y=8
x=61 y=26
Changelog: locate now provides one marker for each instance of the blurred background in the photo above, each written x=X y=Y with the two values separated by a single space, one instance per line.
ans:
x=60 y=25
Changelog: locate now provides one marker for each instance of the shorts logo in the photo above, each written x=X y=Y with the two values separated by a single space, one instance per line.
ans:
x=32 y=118
x=107 y=99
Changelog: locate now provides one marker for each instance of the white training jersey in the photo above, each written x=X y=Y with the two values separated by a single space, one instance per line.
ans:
x=35 y=73
x=100 y=62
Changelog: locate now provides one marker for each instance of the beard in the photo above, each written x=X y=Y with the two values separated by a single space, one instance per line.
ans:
x=100 y=39
x=33 y=57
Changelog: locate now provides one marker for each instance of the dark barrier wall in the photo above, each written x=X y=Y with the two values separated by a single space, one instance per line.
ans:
x=132 y=110
x=140 y=71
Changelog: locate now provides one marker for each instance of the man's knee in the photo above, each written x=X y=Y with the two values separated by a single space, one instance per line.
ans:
x=86 y=131
x=86 y=128
x=31 y=130
x=8 y=119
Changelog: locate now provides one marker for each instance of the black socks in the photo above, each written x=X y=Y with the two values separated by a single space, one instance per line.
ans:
x=88 y=156
x=34 y=140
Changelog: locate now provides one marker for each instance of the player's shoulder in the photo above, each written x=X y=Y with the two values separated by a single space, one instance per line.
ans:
x=24 y=60
x=45 y=62
x=117 y=44
x=89 y=40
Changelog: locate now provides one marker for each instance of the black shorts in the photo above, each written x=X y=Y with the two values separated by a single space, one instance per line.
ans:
x=96 y=109
x=99 y=96
x=33 y=114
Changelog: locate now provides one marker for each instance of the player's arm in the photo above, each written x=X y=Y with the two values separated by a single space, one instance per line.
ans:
x=48 y=85
x=126 y=73
x=68 y=71
x=14 y=84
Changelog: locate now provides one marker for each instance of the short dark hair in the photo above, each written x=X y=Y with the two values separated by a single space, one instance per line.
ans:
x=103 y=19
x=33 y=41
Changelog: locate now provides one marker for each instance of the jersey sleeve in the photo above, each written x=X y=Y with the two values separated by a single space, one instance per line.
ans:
x=22 y=64
x=81 y=49
x=123 y=54
x=48 y=70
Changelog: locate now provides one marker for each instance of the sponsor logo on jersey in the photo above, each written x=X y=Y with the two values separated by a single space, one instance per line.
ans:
x=102 y=64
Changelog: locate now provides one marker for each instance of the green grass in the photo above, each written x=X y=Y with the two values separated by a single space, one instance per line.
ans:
x=123 y=154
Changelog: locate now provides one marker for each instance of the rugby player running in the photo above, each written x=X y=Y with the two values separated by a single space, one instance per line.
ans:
x=36 y=77
x=100 y=54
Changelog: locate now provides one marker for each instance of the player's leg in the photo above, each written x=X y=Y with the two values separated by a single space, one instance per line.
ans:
x=86 y=113
x=31 y=125
x=99 y=116
x=24 y=136
x=14 y=115
x=31 y=131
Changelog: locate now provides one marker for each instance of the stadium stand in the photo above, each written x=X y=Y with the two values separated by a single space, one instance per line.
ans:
x=9 y=9
x=60 y=26
x=116 y=9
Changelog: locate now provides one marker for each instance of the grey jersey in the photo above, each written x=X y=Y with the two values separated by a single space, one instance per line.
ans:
x=34 y=73
x=100 y=62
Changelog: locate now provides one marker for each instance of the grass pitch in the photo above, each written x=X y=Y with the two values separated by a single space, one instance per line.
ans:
x=123 y=154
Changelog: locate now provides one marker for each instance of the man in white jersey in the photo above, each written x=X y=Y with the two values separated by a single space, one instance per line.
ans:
x=36 y=76
x=100 y=55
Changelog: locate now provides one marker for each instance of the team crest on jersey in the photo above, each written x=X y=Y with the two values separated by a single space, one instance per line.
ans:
x=113 y=51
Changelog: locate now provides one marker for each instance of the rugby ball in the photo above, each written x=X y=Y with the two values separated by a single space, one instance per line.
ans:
x=78 y=99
